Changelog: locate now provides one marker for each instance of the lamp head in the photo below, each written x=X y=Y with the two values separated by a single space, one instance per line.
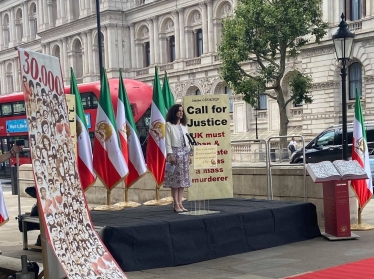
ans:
x=343 y=40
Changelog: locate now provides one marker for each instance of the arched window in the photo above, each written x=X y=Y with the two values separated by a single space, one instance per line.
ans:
x=171 y=48
x=228 y=91
x=19 y=26
x=197 y=92
x=199 y=42
x=147 y=54
x=356 y=9
x=6 y=34
x=355 y=80
x=77 y=59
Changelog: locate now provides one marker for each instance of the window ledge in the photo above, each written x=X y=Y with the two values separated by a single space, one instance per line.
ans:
x=142 y=72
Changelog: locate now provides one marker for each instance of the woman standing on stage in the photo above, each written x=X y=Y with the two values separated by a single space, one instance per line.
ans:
x=178 y=154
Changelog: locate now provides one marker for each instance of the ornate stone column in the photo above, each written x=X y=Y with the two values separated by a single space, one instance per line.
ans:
x=65 y=62
x=50 y=14
x=26 y=22
x=3 y=78
x=16 y=76
x=85 y=57
x=2 y=75
x=68 y=10
x=46 y=14
x=120 y=46
x=177 y=37
x=127 y=48
x=59 y=11
x=12 y=28
x=110 y=45
x=1 y=38
x=89 y=52
x=204 y=23
x=106 y=49
x=151 y=41
x=181 y=40
x=156 y=41
x=88 y=7
x=133 y=53
x=40 y=15
x=211 y=42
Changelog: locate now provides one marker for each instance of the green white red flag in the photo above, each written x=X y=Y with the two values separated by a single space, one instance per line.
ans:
x=4 y=217
x=108 y=161
x=363 y=187
x=166 y=93
x=131 y=147
x=84 y=161
x=156 y=150
x=121 y=121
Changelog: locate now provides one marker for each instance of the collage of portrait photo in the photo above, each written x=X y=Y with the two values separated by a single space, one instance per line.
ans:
x=68 y=225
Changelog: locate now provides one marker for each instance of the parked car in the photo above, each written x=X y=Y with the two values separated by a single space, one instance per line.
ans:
x=327 y=146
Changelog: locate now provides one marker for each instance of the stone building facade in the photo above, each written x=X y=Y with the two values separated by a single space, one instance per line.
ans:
x=181 y=37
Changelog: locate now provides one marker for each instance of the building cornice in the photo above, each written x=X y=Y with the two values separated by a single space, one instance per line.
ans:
x=108 y=18
x=326 y=85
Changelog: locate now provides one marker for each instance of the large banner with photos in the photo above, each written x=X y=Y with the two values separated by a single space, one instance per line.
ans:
x=209 y=123
x=62 y=204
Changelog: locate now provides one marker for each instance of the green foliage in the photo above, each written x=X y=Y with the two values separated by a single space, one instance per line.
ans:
x=300 y=87
x=267 y=32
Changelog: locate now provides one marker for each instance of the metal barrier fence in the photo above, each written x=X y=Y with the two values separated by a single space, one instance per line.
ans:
x=285 y=153
x=259 y=154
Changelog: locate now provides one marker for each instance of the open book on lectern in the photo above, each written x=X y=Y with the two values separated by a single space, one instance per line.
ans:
x=337 y=170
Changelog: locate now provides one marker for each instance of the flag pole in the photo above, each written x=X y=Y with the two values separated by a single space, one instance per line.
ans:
x=108 y=198
x=158 y=201
x=360 y=226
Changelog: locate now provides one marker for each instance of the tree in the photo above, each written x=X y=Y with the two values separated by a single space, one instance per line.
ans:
x=268 y=32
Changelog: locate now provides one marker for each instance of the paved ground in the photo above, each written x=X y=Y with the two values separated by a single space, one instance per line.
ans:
x=278 y=262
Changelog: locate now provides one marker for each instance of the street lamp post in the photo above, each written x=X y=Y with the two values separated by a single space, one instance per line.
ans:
x=343 y=41
x=257 y=107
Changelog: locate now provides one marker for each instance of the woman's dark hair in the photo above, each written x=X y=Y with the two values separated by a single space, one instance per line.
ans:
x=171 y=116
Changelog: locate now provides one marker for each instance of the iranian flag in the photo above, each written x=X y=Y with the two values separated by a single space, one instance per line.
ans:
x=156 y=150
x=3 y=212
x=84 y=161
x=108 y=161
x=128 y=135
x=363 y=187
x=166 y=92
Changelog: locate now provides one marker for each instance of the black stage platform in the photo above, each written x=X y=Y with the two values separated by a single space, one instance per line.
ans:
x=152 y=237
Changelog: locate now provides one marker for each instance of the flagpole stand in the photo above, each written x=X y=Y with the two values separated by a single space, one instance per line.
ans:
x=359 y=226
x=157 y=201
x=108 y=206
x=126 y=203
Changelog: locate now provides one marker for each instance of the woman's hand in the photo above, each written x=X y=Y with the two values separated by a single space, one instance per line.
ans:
x=171 y=159
x=17 y=149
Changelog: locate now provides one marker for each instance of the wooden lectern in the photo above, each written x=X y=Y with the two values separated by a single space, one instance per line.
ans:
x=336 y=210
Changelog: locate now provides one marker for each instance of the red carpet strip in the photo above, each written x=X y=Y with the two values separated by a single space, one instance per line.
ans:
x=363 y=269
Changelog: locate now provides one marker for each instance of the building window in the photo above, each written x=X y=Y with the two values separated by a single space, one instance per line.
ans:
x=197 y=92
x=228 y=91
x=172 y=48
x=262 y=102
x=355 y=80
x=356 y=9
x=199 y=42
x=147 y=54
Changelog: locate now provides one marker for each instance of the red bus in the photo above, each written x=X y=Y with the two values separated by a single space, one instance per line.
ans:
x=13 y=120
